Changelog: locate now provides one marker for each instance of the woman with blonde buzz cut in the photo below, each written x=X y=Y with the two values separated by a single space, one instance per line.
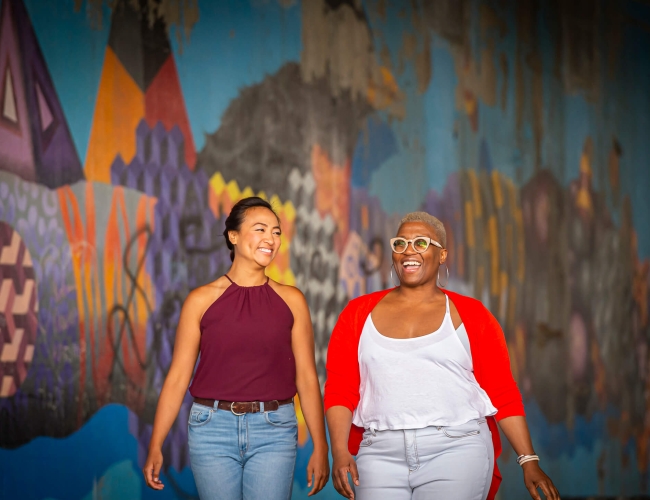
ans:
x=417 y=379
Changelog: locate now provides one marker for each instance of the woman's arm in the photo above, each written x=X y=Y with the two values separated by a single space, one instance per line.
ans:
x=516 y=430
x=493 y=373
x=342 y=397
x=339 y=420
x=186 y=350
x=311 y=402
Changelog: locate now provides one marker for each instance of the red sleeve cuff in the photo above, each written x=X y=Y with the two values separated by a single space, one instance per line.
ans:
x=513 y=409
x=331 y=400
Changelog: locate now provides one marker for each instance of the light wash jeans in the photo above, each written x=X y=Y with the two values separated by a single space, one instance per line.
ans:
x=446 y=463
x=247 y=457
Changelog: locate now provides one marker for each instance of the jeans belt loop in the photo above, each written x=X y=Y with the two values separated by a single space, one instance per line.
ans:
x=215 y=406
x=261 y=406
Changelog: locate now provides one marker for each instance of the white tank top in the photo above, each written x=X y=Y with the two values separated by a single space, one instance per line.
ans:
x=419 y=382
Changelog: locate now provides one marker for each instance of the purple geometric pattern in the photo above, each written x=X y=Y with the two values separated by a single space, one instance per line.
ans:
x=55 y=161
x=51 y=386
x=186 y=250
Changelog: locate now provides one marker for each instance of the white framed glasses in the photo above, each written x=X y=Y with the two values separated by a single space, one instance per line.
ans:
x=419 y=244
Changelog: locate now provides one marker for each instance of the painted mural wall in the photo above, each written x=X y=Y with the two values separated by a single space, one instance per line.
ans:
x=129 y=128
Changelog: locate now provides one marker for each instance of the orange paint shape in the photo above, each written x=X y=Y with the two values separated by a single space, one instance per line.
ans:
x=72 y=224
x=332 y=192
x=120 y=107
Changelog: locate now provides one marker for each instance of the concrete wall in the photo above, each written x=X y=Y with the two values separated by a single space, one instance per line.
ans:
x=129 y=129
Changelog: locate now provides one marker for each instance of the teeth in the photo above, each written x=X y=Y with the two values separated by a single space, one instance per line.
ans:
x=411 y=263
x=265 y=250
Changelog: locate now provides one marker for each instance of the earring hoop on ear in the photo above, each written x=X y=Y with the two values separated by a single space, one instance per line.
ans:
x=392 y=266
x=447 y=280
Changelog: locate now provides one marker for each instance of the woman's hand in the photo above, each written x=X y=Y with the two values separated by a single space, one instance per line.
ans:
x=342 y=464
x=151 y=469
x=534 y=478
x=318 y=469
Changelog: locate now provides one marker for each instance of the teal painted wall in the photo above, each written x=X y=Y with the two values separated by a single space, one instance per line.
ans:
x=127 y=134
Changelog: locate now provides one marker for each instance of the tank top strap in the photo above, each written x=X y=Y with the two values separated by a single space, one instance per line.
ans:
x=447 y=305
x=228 y=277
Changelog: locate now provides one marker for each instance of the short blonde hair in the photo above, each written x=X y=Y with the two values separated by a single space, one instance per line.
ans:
x=429 y=219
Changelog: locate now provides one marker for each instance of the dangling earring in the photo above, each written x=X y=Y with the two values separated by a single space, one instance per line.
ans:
x=391 y=276
x=447 y=280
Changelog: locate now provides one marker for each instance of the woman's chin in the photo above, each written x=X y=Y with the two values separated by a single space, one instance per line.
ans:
x=412 y=280
x=264 y=260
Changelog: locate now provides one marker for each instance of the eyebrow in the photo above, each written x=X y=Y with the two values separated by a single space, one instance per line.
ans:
x=265 y=225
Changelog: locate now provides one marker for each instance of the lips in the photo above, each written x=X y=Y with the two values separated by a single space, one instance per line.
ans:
x=411 y=265
x=266 y=251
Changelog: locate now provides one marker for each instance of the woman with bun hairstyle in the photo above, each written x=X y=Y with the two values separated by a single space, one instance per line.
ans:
x=417 y=378
x=256 y=347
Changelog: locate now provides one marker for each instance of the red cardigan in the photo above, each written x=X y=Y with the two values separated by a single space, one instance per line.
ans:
x=489 y=358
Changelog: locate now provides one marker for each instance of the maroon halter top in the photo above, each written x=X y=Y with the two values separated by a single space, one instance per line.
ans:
x=245 y=352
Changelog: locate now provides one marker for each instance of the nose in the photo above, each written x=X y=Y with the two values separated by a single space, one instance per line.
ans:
x=410 y=245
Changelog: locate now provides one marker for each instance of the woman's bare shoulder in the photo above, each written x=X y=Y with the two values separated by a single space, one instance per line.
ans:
x=290 y=294
x=202 y=297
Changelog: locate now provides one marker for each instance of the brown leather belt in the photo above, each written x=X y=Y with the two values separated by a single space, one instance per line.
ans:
x=241 y=407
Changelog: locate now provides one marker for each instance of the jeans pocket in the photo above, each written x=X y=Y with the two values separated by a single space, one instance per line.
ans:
x=367 y=439
x=467 y=429
x=199 y=415
x=285 y=416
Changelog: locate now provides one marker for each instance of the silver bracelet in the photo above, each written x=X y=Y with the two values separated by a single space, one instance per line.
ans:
x=522 y=459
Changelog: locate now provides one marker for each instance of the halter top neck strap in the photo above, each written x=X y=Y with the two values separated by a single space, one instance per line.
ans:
x=231 y=281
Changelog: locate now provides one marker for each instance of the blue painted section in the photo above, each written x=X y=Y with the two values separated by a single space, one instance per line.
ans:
x=441 y=154
x=69 y=42
x=573 y=458
x=235 y=44
x=376 y=143
x=69 y=468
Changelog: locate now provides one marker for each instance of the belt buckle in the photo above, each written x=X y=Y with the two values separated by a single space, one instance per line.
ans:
x=234 y=412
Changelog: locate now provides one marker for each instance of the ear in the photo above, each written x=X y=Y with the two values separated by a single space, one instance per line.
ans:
x=232 y=236
x=443 y=255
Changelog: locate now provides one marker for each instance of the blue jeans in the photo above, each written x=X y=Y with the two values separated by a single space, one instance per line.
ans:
x=247 y=457
x=454 y=463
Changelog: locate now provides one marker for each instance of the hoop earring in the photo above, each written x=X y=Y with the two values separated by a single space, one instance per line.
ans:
x=391 y=276
x=447 y=280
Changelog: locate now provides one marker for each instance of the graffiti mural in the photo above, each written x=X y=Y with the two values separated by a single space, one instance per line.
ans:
x=510 y=121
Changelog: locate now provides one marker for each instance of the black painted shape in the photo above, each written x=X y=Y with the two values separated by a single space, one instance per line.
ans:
x=335 y=4
x=142 y=49
x=270 y=128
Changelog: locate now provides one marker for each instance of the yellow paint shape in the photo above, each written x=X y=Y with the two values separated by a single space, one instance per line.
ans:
x=224 y=195
x=233 y=191
x=469 y=224
x=521 y=250
x=496 y=186
x=289 y=211
x=247 y=193
x=494 y=255
x=118 y=111
x=217 y=183
x=476 y=193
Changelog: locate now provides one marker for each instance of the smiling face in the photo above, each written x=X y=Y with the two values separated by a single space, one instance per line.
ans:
x=258 y=238
x=415 y=269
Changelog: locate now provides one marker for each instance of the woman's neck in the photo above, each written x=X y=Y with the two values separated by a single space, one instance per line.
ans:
x=420 y=293
x=245 y=274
